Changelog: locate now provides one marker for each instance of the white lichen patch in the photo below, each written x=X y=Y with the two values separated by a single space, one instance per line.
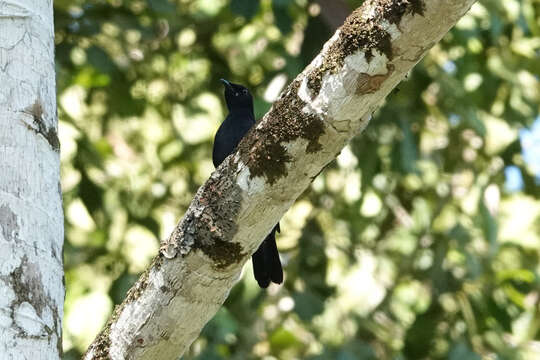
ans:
x=5 y=319
x=370 y=11
x=27 y=319
x=7 y=296
x=357 y=62
x=333 y=100
x=248 y=184
x=157 y=280
x=340 y=98
x=185 y=247
x=304 y=93
x=337 y=98
x=391 y=29
x=169 y=250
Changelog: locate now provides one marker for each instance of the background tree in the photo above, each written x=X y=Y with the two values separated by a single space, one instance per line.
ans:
x=413 y=231
x=31 y=218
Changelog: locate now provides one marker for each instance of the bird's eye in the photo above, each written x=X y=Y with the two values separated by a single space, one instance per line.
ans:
x=245 y=91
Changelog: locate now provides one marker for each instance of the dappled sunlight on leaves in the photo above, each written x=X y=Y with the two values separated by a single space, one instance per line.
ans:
x=419 y=241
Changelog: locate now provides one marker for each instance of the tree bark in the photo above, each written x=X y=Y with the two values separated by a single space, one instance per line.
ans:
x=330 y=102
x=31 y=217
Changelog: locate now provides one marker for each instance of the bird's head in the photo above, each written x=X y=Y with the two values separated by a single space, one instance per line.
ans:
x=237 y=96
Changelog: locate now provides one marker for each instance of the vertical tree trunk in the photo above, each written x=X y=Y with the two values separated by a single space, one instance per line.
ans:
x=31 y=218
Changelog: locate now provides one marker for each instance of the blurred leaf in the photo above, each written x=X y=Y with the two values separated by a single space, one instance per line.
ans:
x=319 y=32
x=489 y=227
x=500 y=314
x=472 y=119
x=357 y=350
x=162 y=7
x=408 y=152
x=460 y=233
x=91 y=195
x=224 y=324
x=282 y=3
x=282 y=339
x=121 y=102
x=261 y=107
x=307 y=305
x=246 y=8
x=100 y=60
x=364 y=148
x=71 y=355
x=90 y=78
x=461 y=351
x=209 y=353
x=419 y=338
x=282 y=18
x=121 y=285
x=346 y=355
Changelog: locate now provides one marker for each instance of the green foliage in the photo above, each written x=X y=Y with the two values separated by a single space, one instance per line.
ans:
x=246 y=8
x=409 y=246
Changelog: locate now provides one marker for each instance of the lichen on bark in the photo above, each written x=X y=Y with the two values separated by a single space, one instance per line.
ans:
x=263 y=151
x=363 y=33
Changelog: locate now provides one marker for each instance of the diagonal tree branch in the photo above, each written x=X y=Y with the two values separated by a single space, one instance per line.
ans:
x=330 y=102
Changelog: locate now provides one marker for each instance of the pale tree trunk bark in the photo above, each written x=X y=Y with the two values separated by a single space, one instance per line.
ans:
x=330 y=102
x=31 y=217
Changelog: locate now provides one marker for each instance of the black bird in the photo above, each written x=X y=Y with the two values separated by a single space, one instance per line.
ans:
x=266 y=263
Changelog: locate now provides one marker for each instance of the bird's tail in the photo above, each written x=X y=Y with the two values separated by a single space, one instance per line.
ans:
x=266 y=263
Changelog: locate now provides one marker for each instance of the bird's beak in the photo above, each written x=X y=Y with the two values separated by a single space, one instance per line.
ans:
x=227 y=84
